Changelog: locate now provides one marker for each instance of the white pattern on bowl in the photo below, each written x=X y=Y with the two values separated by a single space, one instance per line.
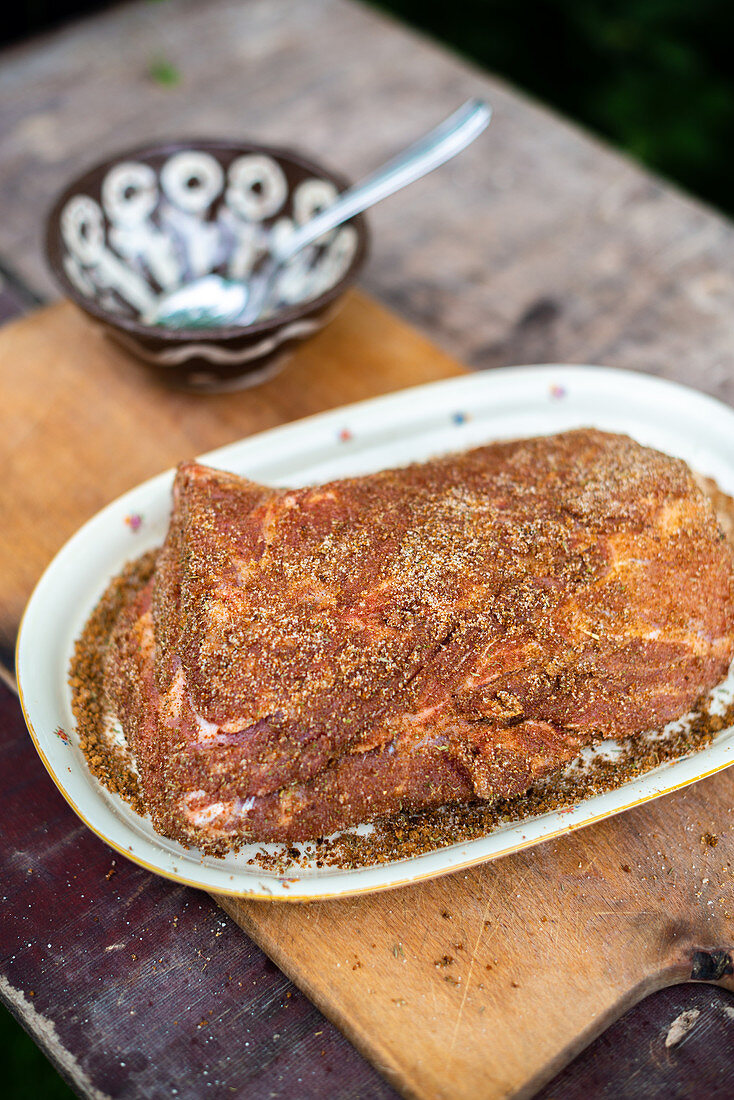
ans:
x=154 y=232
x=149 y=221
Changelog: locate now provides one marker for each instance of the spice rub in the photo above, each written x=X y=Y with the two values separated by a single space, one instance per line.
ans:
x=455 y=631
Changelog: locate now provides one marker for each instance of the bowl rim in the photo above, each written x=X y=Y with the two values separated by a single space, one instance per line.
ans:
x=53 y=244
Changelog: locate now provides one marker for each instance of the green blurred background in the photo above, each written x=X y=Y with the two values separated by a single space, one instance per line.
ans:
x=654 y=77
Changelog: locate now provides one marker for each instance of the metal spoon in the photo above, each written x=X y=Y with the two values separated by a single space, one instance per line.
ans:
x=213 y=301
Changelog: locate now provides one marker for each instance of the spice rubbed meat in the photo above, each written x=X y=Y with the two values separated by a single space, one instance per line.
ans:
x=305 y=660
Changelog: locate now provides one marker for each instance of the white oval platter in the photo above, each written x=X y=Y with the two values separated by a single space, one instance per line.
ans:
x=387 y=431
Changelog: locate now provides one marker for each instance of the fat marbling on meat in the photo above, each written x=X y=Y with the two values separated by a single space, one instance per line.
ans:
x=307 y=659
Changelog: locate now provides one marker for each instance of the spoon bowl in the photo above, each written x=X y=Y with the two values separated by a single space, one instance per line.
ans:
x=159 y=219
x=213 y=301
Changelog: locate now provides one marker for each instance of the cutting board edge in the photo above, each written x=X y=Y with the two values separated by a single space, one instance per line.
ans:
x=376 y=1055
x=673 y=969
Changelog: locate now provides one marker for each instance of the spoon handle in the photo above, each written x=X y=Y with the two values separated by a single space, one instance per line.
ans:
x=435 y=148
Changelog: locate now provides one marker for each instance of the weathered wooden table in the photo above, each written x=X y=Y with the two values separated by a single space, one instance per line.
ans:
x=541 y=245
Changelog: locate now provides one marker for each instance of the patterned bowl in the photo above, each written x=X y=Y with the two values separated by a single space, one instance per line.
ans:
x=150 y=220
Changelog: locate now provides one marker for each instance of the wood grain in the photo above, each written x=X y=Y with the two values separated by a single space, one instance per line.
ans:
x=83 y=422
x=536 y=244
x=547 y=948
x=137 y=988
x=483 y=983
x=637 y=1059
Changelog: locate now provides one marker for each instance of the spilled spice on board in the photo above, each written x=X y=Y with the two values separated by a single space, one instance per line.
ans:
x=403 y=835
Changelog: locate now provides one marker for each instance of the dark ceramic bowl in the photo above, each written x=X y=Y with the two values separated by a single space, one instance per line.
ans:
x=151 y=220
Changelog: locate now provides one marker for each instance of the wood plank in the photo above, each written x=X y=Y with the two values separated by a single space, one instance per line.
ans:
x=14 y=301
x=676 y=1045
x=545 y=947
x=134 y=987
x=537 y=243
x=540 y=244
x=90 y=1008
x=548 y=947
x=84 y=422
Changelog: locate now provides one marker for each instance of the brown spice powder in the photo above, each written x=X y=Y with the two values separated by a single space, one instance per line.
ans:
x=401 y=836
x=107 y=762
x=405 y=835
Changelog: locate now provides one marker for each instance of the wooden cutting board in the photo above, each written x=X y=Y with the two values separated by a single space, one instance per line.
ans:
x=481 y=984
